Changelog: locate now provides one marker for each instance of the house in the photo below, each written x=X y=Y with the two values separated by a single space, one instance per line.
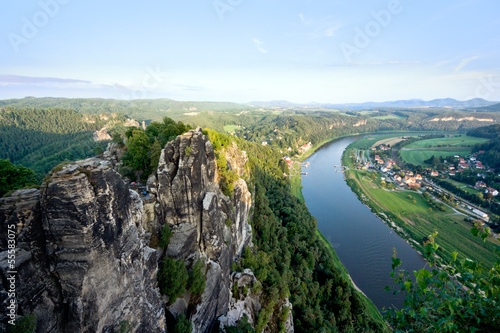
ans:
x=413 y=185
x=418 y=177
x=479 y=165
x=377 y=157
x=480 y=184
x=264 y=143
x=492 y=191
x=409 y=173
x=481 y=152
x=397 y=178
x=434 y=173
x=452 y=173
x=410 y=180
x=305 y=147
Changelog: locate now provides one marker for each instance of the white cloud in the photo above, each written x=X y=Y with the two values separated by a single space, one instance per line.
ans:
x=259 y=43
x=464 y=63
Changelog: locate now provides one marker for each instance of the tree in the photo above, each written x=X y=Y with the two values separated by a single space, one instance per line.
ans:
x=13 y=177
x=196 y=280
x=165 y=235
x=460 y=297
x=137 y=156
x=183 y=324
x=172 y=278
x=242 y=326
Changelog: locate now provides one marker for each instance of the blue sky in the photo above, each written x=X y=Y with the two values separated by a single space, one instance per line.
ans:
x=246 y=50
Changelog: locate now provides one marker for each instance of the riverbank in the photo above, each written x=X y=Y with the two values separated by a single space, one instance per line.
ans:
x=297 y=192
x=412 y=217
x=372 y=309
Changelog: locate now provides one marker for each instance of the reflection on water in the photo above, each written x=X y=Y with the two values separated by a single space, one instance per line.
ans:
x=362 y=241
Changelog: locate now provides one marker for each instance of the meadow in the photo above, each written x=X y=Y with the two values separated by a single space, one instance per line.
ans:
x=456 y=141
x=417 y=157
x=410 y=211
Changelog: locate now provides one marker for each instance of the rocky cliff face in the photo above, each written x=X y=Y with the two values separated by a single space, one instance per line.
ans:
x=83 y=263
x=81 y=260
x=205 y=223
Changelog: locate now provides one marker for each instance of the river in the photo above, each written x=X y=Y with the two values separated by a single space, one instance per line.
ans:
x=363 y=242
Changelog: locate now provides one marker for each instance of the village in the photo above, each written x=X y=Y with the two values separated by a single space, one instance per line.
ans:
x=402 y=179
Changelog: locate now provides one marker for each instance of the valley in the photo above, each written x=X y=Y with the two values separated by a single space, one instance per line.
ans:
x=279 y=144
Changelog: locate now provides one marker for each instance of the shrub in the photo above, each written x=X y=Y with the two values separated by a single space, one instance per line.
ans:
x=187 y=151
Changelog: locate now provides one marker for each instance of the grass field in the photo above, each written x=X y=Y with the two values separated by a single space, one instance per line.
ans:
x=417 y=157
x=462 y=186
x=417 y=221
x=370 y=140
x=230 y=128
x=459 y=141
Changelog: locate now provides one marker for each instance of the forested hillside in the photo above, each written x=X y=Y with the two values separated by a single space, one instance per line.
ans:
x=41 y=138
x=491 y=148
x=150 y=109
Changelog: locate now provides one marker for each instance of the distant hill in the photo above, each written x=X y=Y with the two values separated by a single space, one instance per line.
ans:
x=490 y=108
x=411 y=103
x=150 y=109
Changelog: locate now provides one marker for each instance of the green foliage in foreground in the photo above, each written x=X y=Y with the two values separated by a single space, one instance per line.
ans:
x=449 y=298
x=13 y=177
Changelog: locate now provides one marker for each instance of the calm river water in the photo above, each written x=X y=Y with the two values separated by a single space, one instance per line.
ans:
x=362 y=241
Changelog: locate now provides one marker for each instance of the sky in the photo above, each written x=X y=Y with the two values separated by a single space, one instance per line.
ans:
x=325 y=51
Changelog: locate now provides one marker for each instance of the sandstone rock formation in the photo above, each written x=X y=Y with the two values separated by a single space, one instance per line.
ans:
x=101 y=135
x=82 y=261
x=205 y=223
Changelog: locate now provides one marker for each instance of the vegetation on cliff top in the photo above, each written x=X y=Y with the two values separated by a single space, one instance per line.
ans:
x=13 y=177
